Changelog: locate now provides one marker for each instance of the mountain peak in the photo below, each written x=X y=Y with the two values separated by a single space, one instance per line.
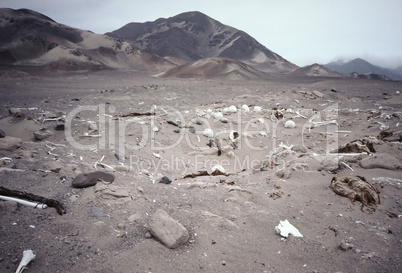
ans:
x=193 y=35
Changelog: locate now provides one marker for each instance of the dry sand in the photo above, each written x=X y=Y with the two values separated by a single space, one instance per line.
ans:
x=230 y=219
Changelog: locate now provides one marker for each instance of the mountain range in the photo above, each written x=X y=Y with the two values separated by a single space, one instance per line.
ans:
x=361 y=66
x=190 y=44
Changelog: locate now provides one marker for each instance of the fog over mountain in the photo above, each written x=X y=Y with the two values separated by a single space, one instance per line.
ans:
x=363 y=67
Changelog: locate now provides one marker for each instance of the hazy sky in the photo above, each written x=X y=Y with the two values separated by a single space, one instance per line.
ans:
x=301 y=31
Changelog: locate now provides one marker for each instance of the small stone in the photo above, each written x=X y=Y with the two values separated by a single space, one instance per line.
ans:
x=382 y=161
x=9 y=143
x=96 y=212
x=330 y=164
x=173 y=122
x=198 y=121
x=176 y=131
x=224 y=120
x=16 y=112
x=165 y=180
x=92 y=126
x=191 y=130
x=167 y=230
x=345 y=245
x=318 y=94
x=84 y=180
x=2 y=133
x=42 y=134
x=148 y=235
x=60 y=127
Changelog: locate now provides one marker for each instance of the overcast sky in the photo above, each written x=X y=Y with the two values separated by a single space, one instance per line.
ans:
x=301 y=31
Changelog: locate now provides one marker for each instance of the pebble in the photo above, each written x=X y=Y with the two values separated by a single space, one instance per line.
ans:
x=318 y=94
x=42 y=134
x=165 y=180
x=198 y=121
x=9 y=143
x=167 y=230
x=84 y=180
x=16 y=112
x=2 y=133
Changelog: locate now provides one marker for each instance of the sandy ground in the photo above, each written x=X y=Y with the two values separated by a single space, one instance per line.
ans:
x=231 y=219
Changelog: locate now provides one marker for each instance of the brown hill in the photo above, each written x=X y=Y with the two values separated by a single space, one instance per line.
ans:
x=215 y=68
x=30 y=38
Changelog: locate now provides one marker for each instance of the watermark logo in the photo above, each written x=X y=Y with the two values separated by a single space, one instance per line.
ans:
x=248 y=138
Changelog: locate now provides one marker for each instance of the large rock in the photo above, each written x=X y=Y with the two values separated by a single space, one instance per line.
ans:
x=9 y=143
x=382 y=161
x=167 y=230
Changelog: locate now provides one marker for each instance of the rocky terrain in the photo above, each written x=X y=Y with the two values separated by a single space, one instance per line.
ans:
x=138 y=162
x=221 y=197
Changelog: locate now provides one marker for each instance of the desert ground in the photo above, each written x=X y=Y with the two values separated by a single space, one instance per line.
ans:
x=142 y=128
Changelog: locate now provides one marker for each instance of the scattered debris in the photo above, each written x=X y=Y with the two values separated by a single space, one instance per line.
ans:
x=32 y=197
x=356 y=188
x=364 y=145
x=27 y=257
x=334 y=230
x=136 y=114
x=285 y=228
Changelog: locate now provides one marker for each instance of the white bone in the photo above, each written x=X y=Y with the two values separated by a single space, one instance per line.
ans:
x=24 y=202
x=285 y=228
x=322 y=123
x=27 y=257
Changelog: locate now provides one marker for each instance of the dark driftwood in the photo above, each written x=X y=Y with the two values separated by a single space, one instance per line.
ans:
x=32 y=197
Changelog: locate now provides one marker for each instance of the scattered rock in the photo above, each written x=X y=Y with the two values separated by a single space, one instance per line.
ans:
x=42 y=134
x=329 y=164
x=173 y=122
x=85 y=180
x=191 y=130
x=198 y=121
x=318 y=94
x=345 y=245
x=96 y=212
x=2 y=133
x=382 y=161
x=9 y=143
x=16 y=112
x=167 y=230
x=60 y=126
x=165 y=180
x=54 y=166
